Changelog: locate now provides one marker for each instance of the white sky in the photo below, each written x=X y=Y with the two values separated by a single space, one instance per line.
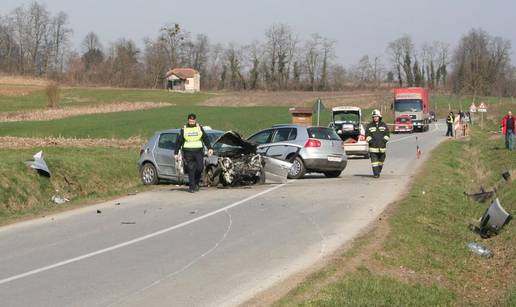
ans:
x=359 y=27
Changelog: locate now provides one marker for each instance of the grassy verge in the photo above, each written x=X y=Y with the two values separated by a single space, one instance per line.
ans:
x=418 y=255
x=78 y=174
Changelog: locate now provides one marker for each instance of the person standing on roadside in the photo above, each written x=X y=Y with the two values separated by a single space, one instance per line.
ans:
x=377 y=135
x=449 y=122
x=192 y=139
x=507 y=123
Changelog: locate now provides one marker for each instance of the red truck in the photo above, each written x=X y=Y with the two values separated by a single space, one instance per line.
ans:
x=413 y=101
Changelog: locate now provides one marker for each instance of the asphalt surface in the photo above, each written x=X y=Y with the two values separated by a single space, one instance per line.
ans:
x=218 y=247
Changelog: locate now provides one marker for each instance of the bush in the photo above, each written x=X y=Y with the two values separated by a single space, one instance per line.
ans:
x=52 y=91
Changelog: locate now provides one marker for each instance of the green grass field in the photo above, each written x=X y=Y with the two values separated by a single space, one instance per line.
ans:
x=144 y=123
x=428 y=233
x=95 y=96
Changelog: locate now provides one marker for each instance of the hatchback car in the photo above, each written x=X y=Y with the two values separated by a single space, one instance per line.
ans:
x=321 y=148
x=403 y=123
x=347 y=122
x=157 y=156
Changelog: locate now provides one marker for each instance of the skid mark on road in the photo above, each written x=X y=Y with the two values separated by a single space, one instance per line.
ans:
x=184 y=268
x=139 y=239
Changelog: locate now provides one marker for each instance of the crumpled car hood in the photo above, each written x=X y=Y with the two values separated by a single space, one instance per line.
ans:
x=232 y=138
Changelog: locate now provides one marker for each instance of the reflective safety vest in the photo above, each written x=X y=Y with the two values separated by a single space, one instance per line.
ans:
x=193 y=137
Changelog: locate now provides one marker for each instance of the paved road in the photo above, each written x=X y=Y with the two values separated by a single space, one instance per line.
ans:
x=215 y=248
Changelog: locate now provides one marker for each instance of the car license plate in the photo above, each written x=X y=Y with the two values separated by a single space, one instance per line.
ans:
x=335 y=159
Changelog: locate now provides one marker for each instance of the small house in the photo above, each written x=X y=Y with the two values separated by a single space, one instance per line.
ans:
x=183 y=80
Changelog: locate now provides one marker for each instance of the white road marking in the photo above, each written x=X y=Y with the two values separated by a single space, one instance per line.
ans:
x=139 y=239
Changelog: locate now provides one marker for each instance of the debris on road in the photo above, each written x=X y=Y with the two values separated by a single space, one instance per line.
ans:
x=98 y=211
x=39 y=164
x=193 y=212
x=479 y=249
x=128 y=223
x=59 y=200
x=117 y=204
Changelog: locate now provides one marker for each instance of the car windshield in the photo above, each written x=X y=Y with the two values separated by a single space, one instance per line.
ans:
x=213 y=136
x=403 y=120
x=346 y=117
x=408 y=106
x=322 y=133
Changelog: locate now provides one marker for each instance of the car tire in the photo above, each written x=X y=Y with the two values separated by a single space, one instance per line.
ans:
x=149 y=174
x=298 y=169
x=210 y=179
x=332 y=174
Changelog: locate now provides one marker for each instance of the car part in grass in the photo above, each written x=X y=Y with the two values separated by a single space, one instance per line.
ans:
x=39 y=164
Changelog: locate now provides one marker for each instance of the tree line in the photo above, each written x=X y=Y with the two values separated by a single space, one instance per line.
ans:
x=34 y=42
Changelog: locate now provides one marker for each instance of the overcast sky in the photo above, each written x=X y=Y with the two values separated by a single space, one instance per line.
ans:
x=359 y=27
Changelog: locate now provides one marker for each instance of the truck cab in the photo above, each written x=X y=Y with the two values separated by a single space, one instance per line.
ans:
x=347 y=122
x=413 y=102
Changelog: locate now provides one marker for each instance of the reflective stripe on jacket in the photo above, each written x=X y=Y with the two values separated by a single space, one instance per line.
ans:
x=193 y=137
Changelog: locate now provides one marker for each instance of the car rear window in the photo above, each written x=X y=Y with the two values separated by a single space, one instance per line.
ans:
x=322 y=133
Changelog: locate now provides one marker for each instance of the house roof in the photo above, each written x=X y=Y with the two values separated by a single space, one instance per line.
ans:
x=182 y=73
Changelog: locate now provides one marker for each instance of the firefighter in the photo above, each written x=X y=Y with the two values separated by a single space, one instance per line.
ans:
x=192 y=140
x=449 y=122
x=377 y=135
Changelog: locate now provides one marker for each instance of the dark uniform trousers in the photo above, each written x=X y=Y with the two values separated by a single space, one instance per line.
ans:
x=377 y=156
x=195 y=165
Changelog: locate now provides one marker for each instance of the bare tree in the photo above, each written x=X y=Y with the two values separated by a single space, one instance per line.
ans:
x=312 y=59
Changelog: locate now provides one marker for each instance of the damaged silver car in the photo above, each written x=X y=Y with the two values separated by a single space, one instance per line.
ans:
x=236 y=162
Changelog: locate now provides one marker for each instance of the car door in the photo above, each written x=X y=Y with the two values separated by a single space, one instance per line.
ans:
x=282 y=136
x=164 y=153
x=277 y=166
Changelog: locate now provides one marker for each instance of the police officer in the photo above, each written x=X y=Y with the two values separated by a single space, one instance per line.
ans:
x=193 y=139
x=377 y=135
x=449 y=121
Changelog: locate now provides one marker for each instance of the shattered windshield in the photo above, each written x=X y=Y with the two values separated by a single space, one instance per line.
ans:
x=214 y=136
x=412 y=105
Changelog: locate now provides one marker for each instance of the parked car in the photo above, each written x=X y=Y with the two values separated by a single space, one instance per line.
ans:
x=157 y=156
x=347 y=122
x=236 y=161
x=321 y=148
x=403 y=123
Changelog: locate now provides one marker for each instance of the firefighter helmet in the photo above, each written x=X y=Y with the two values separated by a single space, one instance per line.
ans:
x=376 y=112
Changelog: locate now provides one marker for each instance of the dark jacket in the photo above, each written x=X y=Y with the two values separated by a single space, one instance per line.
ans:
x=377 y=134
x=181 y=141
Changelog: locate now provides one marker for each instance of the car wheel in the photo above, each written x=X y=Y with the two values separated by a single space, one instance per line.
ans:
x=210 y=179
x=148 y=174
x=332 y=174
x=297 y=170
